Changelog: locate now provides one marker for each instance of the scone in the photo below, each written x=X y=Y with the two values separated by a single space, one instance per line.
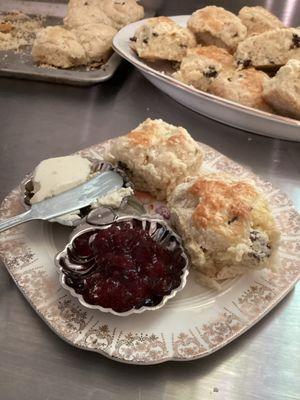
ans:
x=157 y=156
x=162 y=39
x=57 y=46
x=202 y=65
x=258 y=20
x=269 y=49
x=244 y=87
x=122 y=12
x=226 y=226
x=215 y=26
x=283 y=91
x=96 y=39
x=82 y=12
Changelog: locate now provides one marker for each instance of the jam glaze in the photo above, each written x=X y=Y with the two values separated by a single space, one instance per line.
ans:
x=132 y=264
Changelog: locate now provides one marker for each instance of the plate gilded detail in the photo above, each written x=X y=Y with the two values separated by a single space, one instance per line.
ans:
x=195 y=323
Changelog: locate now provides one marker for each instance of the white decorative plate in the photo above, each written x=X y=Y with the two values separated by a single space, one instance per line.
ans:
x=214 y=107
x=197 y=322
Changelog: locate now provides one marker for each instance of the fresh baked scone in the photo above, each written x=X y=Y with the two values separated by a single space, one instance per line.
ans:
x=96 y=39
x=202 y=65
x=82 y=12
x=226 y=226
x=244 y=87
x=214 y=25
x=258 y=20
x=283 y=91
x=269 y=49
x=157 y=156
x=162 y=39
x=57 y=46
x=122 y=12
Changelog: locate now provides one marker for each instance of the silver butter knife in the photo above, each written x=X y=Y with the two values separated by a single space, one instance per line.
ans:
x=71 y=200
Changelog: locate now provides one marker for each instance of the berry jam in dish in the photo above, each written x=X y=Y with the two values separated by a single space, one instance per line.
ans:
x=129 y=266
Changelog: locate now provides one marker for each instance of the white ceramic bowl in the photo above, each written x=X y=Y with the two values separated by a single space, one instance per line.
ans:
x=212 y=106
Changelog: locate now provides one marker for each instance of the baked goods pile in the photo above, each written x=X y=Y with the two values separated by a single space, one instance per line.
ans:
x=225 y=223
x=247 y=59
x=87 y=33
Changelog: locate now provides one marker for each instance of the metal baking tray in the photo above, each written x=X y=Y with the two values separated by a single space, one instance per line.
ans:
x=21 y=65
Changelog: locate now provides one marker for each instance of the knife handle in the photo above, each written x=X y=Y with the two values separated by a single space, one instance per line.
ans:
x=17 y=220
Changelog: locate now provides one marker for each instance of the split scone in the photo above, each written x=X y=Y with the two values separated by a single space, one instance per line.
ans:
x=202 y=65
x=216 y=26
x=96 y=39
x=226 y=226
x=162 y=39
x=243 y=87
x=269 y=49
x=57 y=46
x=283 y=91
x=258 y=20
x=122 y=12
x=157 y=156
x=82 y=12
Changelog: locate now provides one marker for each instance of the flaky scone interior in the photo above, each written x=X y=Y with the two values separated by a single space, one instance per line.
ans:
x=226 y=225
x=157 y=156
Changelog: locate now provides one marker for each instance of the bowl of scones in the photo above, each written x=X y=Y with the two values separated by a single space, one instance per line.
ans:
x=243 y=70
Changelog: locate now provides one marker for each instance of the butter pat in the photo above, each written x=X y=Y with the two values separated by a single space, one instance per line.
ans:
x=114 y=199
x=57 y=175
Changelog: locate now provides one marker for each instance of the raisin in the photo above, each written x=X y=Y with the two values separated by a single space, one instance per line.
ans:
x=245 y=63
x=295 y=41
x=211 y=72
x=133 y=39
x=233 y=219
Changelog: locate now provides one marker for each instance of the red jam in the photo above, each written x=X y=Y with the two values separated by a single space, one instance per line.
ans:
x=125 y=267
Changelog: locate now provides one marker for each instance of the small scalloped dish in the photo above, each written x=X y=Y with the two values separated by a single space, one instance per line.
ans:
x=86 y=278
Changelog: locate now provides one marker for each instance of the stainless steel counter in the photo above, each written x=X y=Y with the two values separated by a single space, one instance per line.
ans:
x=39 y=120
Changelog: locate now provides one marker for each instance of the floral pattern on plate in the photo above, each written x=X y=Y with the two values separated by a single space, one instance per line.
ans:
x=194 y=324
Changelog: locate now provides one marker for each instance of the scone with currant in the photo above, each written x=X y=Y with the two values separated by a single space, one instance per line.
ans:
x=157 y=156
x=270 y=49
x=216 y=26
x=162 y=38
x=202 y=65
x=282 y=92
x=244 y=87
x=226 y=226
x=258 y=20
